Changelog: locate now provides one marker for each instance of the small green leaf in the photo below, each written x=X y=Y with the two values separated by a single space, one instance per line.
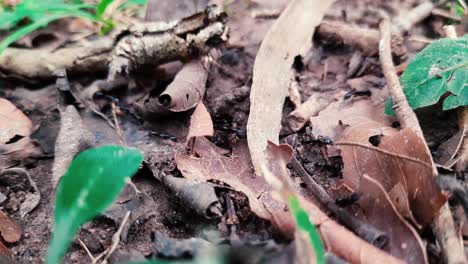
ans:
x=93 y=180
x=132 y=2
x=303 y=222
x=101 y=8
x=440 y=68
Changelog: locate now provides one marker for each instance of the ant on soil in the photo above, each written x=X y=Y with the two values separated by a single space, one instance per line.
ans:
x=352 y=93
x=163 y=136
x=348 y=200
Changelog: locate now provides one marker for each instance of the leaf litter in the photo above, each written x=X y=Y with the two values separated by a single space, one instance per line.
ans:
x=214 y=176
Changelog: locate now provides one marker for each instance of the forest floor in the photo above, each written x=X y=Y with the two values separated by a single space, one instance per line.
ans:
x=195 y=193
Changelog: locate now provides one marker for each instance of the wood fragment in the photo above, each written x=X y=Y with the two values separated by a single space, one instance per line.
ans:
x=443 y=226
x=364 y=230
x=364 y=39
x=407 y=19
x=155 y=43
x=298 y=118
x=293 y=93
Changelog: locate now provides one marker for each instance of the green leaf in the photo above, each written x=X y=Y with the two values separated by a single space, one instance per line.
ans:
x=439 y=68
x=38 y=24
x=93 y=180
x=303 y=222
x=101 y=8
x=132 y=2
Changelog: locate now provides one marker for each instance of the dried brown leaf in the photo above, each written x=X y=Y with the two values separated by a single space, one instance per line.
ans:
x=290 y=36
x=236 y=170
x=391 y=157
x=380 y=211
x=9 y=229
x=344 y=113
x=12 y=122
x=200 y=123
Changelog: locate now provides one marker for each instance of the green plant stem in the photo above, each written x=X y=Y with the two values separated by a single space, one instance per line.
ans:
x=303 y=222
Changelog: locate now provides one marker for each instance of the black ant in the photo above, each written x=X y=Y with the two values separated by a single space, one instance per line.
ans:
x=348 y=200
x=163 y=136
x=352 y=93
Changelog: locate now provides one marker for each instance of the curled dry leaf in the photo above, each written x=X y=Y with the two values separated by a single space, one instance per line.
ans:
x=12 y=122
x=187 y=89
x=290 y=36
x=198 y=195
x=9 y=229
x=200 y=123
x=15 y=128
x=391 y=157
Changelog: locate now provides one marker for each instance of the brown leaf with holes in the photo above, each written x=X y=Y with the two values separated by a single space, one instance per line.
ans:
x=9 y=229
x=200 y=123
x=12 y=122
x=391 y=157
x=331 y=121
x=208 y=163
x=404 y=240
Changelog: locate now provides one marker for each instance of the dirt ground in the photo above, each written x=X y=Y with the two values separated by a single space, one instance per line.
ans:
x=162 y=223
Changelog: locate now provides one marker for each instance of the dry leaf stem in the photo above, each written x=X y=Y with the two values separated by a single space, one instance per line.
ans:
x=462 y=163
x=443 y=225
x=364 y=230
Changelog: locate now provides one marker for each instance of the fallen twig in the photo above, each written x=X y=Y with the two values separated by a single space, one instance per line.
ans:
x=462 y=163
x=364 y=39
x=443 y=225
x=364 y=230
x=298 y=118
x=115 y=241
x=407 y=19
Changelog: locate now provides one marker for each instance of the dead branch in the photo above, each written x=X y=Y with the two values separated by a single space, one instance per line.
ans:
x=298 y=118
x=443 y=225
x=407 y=19
x=159 y=42
x=147 y=43
x=30 y=64
x=364 y=230
x=364 y=39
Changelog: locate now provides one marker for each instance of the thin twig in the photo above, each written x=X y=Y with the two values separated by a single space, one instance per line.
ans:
x=115 y=241
x=364 y=230
x=462 y=111
x=383 y=151
x=83 y=245
x=117 y=126
x=443 y=226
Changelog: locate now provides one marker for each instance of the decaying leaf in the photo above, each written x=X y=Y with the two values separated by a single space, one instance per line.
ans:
x=15 y=128
x=210 y=162
x=12 y=122
x=200 y=123
x=391 y=157
x=382 y=213
x=271 y=75
x=235 y=170
x=187 y=89
x=198 y=195
x=298 y=118
x=9 y=229
x=344 y=113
